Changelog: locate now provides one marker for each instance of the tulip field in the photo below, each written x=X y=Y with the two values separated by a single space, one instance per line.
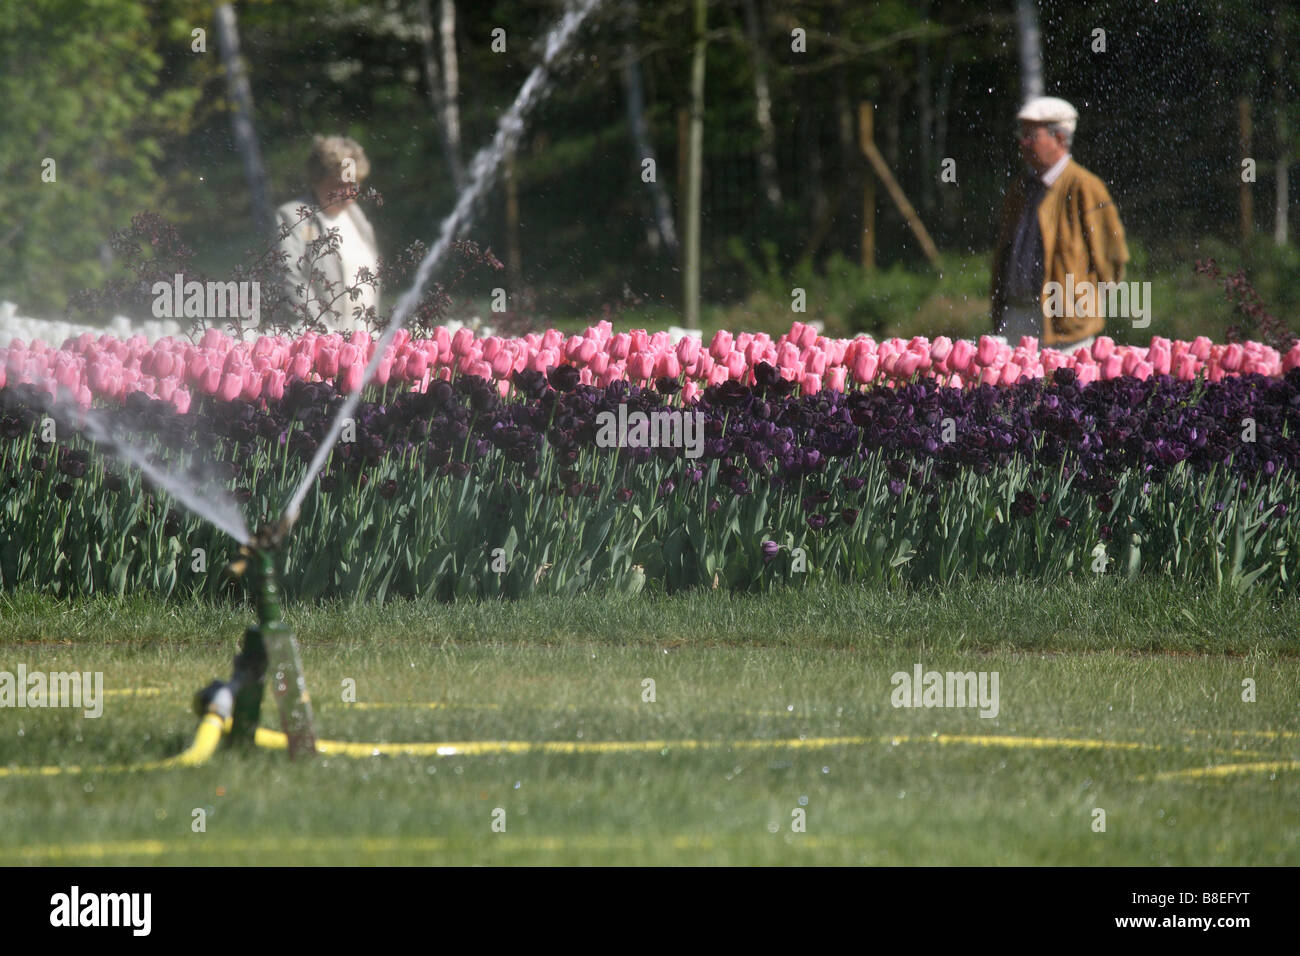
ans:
x=473 y=467
x=630 y=653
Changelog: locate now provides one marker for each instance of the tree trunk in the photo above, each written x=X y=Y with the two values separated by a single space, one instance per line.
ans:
x=925 y=120
x=1247 y=199
x=695 y=172
x=664 y=229
x=866 y=133
x=450 y=77
x=1031 y=49
x=514 y=257
x=241 y=116
x=947 y=197
x=1282 y=199
x=767 y=176
x=437 y=95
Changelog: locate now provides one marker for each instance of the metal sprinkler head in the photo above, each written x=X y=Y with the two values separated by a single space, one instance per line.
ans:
x=270 y=648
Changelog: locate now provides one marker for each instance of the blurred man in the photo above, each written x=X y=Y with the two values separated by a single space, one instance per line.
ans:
x=336 y=167
x=1058 y=225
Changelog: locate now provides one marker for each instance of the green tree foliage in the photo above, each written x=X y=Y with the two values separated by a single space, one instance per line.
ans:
x=82 y=85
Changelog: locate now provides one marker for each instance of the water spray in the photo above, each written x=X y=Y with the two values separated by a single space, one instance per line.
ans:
x=270 y=647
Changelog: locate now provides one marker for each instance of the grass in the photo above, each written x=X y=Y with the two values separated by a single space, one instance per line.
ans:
x=1102 y=686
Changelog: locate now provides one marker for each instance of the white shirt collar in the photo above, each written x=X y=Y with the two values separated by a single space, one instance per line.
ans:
x=1053 y=174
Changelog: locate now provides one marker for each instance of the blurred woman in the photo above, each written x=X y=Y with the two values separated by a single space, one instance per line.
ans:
x=336 y=167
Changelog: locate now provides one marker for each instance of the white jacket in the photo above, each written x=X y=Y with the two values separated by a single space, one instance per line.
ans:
x=330 y=265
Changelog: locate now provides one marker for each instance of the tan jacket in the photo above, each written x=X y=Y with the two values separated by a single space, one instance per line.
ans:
x=1082 y=238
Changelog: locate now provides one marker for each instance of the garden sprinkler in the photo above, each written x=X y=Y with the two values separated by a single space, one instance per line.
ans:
x=268 y=645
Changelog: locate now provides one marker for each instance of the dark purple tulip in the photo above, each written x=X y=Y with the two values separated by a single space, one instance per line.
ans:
x=895 y=486
x=853 y=482
x=714 y=505
x=770 y=550
x=387 y=488
x=816 y=522
x=328 y=483
x=666 y=487
x=563 y=378
x=113 y=482
x=1104 y=504
x=625 y=495
x=849 y=515
x=38 y=462
x=73 y=464
x=1062 y=522
x=242 y=495
x=64 y=490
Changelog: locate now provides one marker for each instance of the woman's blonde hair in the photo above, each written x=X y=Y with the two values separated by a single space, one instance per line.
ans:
x=325 y=162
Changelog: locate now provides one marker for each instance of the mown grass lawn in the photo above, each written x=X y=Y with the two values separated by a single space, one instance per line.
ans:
x=763 y=705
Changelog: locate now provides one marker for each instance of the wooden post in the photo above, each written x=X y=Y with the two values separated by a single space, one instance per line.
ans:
x=896 y=193
x=866 y=130
x=1247 y=198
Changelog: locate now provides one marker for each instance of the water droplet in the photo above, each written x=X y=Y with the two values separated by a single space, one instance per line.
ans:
x=803 y=801
x=826 y=769
x=773 y=827
x=518 y=784
x=789 y=706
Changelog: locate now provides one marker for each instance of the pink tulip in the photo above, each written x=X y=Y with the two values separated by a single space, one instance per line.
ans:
x=1112 y=367
x=1200 y=347
x=1232 y=358
x=463 y=340
x=252 y=385
x=907 y=365
x=230 y=387
x=181 y=400
x=987 y=352
x=810 y=384
x=327 y=362
x=688 y=350
x=640 y=367
x=350 y=380
x=959 y=360
x=735 y=365
x=502 y=364
x=1103 y=348
x=864 y=367
x=667 y=365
